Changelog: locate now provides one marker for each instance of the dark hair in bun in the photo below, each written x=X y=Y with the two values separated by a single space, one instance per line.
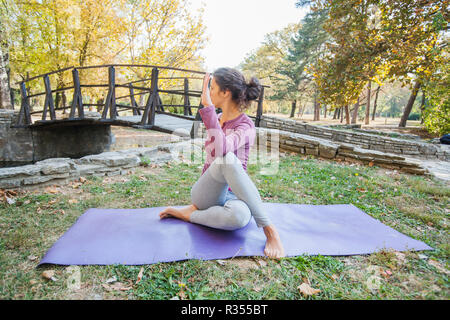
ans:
x=241 y=91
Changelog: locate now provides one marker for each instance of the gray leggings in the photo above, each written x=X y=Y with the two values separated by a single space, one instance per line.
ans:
x=221 y=209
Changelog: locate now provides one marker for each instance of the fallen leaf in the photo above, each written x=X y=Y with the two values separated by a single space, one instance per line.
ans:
x=141 y=272
x=73 y=201
x=51 y=190
x=373 y=269
x=10 y=201
x=373 y=282
x=262 y=262
x=12 y=193
x=370 y=164
x=401 y=258
x=307 y=290
x=82 y=180
x=438 y=266
x=49 y=275
x=116 y=286
x=33 y=282
x=32 y=258
x=111 y=280
x=221 y=262
x=334 y=277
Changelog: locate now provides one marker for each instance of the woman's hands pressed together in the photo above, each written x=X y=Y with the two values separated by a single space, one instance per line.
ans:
x=206 y=98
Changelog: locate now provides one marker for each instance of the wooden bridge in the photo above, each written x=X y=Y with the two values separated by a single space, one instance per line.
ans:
x=152 y=116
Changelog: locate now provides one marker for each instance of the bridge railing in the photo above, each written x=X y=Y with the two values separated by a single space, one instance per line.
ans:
x=110 y=107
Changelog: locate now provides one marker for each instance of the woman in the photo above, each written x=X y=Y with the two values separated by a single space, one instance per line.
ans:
x=224 y=196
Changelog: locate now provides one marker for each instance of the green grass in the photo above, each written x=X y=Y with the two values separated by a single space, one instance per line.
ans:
x=414 y=205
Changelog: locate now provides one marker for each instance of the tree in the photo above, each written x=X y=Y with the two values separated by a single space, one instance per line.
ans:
x=265 y=61
x=436 y=113
x=5 y=88
x=378 y=40
x=55 y=34
x=307 y=47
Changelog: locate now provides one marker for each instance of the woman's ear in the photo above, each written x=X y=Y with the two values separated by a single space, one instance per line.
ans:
x=226 y=94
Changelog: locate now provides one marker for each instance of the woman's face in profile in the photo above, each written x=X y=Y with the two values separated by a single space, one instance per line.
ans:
x=217 y=96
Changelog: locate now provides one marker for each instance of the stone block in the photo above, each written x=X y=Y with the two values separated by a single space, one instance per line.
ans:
x=56 y=167
x=27 y=170
x=328 y=150
x=312 y=151
x=10 y=183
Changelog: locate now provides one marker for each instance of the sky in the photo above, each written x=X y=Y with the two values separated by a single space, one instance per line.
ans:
x=236 y=27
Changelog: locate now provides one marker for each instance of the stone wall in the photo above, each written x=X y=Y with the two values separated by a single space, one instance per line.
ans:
x=27 y=145
x=324 y=148
x=362 y=140
x=16 y=144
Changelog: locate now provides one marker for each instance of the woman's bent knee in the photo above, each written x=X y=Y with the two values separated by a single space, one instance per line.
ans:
x=240 y=214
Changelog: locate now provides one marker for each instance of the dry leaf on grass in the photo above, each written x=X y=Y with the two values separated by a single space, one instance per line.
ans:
x=49 y=275
x=76 y=185
x=116 y=286
x=82 y=180
x=438 y=266
x=72 y=201
x=111 y=280
x=53 y=190
x=32 y=258
x=307 y=290
x=141 y=273
x=9 y=200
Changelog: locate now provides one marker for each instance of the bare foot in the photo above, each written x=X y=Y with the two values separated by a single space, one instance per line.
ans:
x=183 y=213
x=274 y=248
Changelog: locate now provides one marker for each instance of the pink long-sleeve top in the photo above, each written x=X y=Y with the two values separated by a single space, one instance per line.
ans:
x=236 y=135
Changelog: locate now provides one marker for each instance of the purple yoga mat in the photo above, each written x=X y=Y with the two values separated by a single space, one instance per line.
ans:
x=138 y=236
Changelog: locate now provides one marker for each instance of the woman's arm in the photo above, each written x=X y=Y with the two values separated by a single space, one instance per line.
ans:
x=231 y=142
x=222 y=144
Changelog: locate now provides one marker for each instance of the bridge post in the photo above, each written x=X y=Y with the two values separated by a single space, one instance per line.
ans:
x=260 y=107
x=196 y=123
x=77 y=101
x=153 y=100
x=187 y=104
x=24 y=113
x=48 y=100
x=136 y=111
x=154 y=95
x=110 y=103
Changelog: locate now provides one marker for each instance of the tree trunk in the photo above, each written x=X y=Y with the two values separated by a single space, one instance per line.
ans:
x=294 y=104
x=355 y=111
x=375 y=103
x=409 y=105
x=324 y=111
x=347 y=115
x=367 y=117
x=341 y=111
x=422 y=107
x=5 y=90
x=64 y=101
x=335 y=113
